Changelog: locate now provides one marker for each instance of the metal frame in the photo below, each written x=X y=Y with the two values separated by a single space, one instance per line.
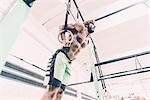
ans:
x=123 y=58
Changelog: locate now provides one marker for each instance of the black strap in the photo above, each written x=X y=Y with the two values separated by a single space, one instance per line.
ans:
x=78 y=10
x=67 y=13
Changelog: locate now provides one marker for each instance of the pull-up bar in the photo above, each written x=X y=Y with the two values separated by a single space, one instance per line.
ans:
x=123 y=58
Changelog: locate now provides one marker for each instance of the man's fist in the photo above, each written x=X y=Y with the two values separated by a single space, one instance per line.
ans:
x=90 y=26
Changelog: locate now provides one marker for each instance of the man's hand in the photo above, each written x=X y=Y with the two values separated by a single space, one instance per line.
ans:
x=90 y=26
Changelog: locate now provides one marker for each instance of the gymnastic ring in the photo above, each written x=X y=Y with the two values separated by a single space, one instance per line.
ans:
x=65 y=40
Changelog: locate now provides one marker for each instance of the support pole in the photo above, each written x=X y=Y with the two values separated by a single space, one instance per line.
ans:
x=92 y=55
x=10 y=27
x=98 y=61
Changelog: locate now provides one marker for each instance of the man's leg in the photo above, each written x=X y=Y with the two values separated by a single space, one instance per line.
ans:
x=58 y=94
x=52 y=94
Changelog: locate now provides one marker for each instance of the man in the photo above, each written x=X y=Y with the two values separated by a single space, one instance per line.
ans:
x=59 y=70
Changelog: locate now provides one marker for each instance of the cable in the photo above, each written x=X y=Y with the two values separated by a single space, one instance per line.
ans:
x=44 y=23
x=72 y=15
x=78 y=10
x=28 y=62
x=120 y=10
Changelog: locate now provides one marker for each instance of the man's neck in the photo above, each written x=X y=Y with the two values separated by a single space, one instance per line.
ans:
x=70 y=55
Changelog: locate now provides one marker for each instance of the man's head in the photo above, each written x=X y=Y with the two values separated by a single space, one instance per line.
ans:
x=76 y=36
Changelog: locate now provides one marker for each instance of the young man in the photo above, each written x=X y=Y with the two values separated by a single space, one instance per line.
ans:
x=59 y=70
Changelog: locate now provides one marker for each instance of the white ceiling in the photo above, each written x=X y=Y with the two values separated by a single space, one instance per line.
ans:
x=121 y=25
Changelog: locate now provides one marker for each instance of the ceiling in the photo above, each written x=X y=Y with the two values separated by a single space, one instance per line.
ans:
x=109 y=30
x=118 y=35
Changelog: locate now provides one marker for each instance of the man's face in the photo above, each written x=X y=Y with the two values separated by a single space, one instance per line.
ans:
x=78 y=43
x=75 y=47
x=79 y=36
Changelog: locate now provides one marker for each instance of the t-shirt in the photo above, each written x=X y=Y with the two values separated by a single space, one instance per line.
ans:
x=62 y=70
x=59 y=70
